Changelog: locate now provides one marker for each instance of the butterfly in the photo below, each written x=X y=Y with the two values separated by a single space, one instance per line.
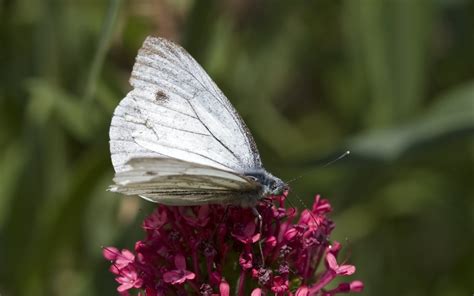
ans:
x=175 y=138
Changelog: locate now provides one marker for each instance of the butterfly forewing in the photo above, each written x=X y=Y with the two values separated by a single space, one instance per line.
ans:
x=175 y=110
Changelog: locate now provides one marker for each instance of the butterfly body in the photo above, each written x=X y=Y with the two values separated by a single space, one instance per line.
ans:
x=176 y=139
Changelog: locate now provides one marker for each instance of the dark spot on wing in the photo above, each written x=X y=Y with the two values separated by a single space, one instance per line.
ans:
x=148 y=173
x=161 y=97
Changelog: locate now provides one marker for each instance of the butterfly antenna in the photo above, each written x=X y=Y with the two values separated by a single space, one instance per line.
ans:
x=339 y=158
x=294 y=179
x=306 y=207
x=301 y=201
x=327 y=164
x=349 y=250
x=291 y=203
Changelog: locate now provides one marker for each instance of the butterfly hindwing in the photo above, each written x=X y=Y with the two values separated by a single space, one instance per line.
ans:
x=176 y=182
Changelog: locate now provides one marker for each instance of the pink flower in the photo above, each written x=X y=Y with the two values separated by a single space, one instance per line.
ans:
x=302 y=291
x=320 y=205
x=334 y=248
x=224 y=288
x=121 y=259
x=180 y=274
x=269 y=244
x=247 y=234
x=245 y=260
x=193 y=250
x=200 y=219
x=128 y=279
x=157 y=219
x=356 y=286
x=291 y=234
x=339 y=269
x=280 y=285
x=110 y=253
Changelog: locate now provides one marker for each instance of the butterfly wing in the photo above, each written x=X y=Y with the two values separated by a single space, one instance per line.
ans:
x=176 y=182
x=175 y=110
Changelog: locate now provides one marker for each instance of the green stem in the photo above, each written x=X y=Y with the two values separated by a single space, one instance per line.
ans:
x=241 y=284
x=102 y=48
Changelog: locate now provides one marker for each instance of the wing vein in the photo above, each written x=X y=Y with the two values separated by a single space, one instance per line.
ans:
x=216 y=90
x=189 y=151
x=185 y=69
x=207 y=128
x=180 y=129
x=166 y=107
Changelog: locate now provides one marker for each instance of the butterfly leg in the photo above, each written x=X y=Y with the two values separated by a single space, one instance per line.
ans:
x=259 y=218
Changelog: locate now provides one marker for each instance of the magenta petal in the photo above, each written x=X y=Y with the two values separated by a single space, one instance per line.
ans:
x=224 y=288
x=157 y=219
x=124 y=287
x=172 y=276
x=255 y=238
x=256 y=292
x=290 y=234
x=280 y=284
x=138 y=283
x=114 y=269
x=178 y=276
x=125 y=258
x=302 y=291
x=331 y=260
x=271 y=241
x=180 y=262
x=110 y=253
x=357 y=286
x=245 y=260
x=127 y=254
x=247 y=235
x=342 y=288
x=189 y=275
x=249 y=229
x=346 y=270
x=334 y=248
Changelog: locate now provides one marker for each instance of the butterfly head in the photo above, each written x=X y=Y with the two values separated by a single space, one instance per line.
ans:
x=276 y=186
x=270 y=185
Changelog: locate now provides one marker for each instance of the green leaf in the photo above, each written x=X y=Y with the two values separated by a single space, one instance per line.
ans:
x=453 y=113
x=12 y=163
x=392 y=39
x=48 y=99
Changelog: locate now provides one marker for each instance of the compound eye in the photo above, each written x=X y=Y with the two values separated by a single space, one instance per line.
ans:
x=276 y=187
x=253 y=178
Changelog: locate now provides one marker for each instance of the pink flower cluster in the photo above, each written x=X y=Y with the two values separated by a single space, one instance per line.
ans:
x=209 y=249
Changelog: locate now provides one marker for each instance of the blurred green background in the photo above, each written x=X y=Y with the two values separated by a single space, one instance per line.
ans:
x=392 y=81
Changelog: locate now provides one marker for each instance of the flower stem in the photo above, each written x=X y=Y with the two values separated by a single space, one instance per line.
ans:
x=196 y=265
x=318 y=260
x=327 y=277
x=241 y=284
x=307 y=265
x=194 y=286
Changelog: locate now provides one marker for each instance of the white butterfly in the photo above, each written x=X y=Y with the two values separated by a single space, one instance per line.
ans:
x=175 y=138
